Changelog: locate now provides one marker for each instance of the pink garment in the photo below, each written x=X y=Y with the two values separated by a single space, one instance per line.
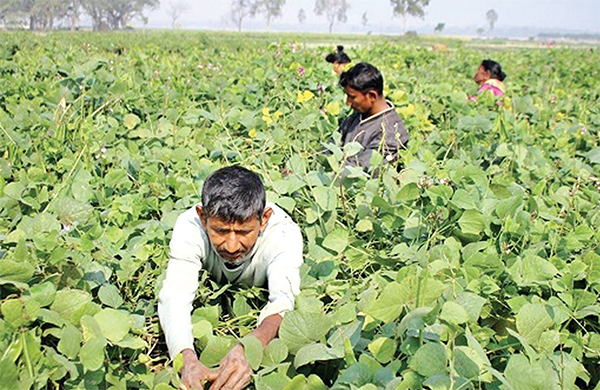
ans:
x=492 y=85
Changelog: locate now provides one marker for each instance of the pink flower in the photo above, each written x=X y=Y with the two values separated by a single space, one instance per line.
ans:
x=301 y=71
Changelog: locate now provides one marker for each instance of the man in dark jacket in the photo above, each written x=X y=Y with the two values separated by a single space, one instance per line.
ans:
x=374 y=123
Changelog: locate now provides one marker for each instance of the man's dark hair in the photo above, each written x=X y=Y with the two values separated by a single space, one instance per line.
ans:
x=233 y=194
x=494 y=68
x=338 y=56
x=363 y=77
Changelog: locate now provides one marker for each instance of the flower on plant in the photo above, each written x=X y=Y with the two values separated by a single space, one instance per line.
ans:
x=268 y=118
x=305 y=96
x=301 y=71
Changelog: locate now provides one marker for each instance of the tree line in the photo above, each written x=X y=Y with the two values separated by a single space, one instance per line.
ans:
x=117 y=14
x=48 y=14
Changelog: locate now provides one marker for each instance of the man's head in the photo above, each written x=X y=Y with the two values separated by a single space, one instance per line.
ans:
x=363 y=85
x=233 y=212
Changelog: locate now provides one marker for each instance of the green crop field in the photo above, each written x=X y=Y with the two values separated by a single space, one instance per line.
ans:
x=474 y=264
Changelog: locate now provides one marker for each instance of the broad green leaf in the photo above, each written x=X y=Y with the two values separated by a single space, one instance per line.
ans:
x=114 y=324
x=463 y=200
x=131 y=342
x=388 y=306
x=337 y=240
x=130 y=121
x=20 y=311
x=216 y=349
x=208 y=313
x=70 y=341
x=43 y=293
x=408 y=193
x=429 y=360
x=525 y=375
x=300 y=382
x=454 y=313
x=202 y=329
x=364 y=226
x=12 y=271
x=9 y=375
x=110 y=296
x=275 y=352
x=253 y=350
x=472 y=303
x=532 y=320
x=92 y=354
x=299 y=329
x=325 y=197
x=316 y=352
x=71 y=304
x=472 y=222
x=383 y=349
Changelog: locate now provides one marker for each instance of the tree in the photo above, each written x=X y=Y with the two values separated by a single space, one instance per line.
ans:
x=239 y=10
x=404 y=8
x=365 y=20
x=175 y=11
x=334 y=10
x=115 y=14
x=439 y=27
x=480 y=30
x=491 y=17
x=271 y=9
x=301 y=16
x=38 y=14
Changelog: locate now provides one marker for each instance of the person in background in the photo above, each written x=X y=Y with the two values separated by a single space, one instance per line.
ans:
x=375 y=124
x=239 y=239
x=339 y=59
x=489 y=76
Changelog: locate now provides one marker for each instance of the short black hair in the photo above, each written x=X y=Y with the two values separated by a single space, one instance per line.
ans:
x=494 y=68
x=363 y=77
x=338 y=56
x=233 y=194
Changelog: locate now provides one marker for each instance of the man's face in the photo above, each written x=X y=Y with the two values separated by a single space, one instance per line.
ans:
x=233 y=240
x=360 y=102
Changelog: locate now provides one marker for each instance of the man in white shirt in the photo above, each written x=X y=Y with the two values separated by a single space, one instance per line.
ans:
x=240 y=239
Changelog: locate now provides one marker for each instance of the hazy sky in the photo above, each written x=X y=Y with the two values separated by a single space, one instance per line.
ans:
x=574 y=15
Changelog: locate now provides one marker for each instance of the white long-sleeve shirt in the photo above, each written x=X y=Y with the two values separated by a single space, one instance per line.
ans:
x=275 y=262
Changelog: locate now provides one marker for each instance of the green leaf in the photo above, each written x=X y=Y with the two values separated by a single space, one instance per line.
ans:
x=523 y=375
x=130 y=121
x=337 y=240
x=253 y=350
x=70 y=341
x=408 y=193
x=131 y=342
x=114 y=324
x=532 y=320
x=110 y=296
x=472 y=222
x=388 y=306
x=92 y=354
x=364 y=226
x=43 y=293
x=430 y=359
x=325 y=197
x=463 y=200
x=316 y=352
x=383 y=349
x=9 y=375
x=216 y=349
x=71 y=304
x=20 y=311
x=12 y=271
x=299 y=329
x=275 y=352
x=454 y=313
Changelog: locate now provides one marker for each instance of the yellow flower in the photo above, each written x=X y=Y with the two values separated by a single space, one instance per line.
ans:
x=333 y=108
x=305 y=96
x=266 y=115
x=277 y=114
x=252 y=133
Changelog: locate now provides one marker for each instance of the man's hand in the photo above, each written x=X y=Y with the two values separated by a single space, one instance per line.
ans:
x=234 y=372
x=194 y=374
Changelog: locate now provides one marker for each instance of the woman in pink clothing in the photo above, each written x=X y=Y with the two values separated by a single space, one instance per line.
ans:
x=489 y=76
